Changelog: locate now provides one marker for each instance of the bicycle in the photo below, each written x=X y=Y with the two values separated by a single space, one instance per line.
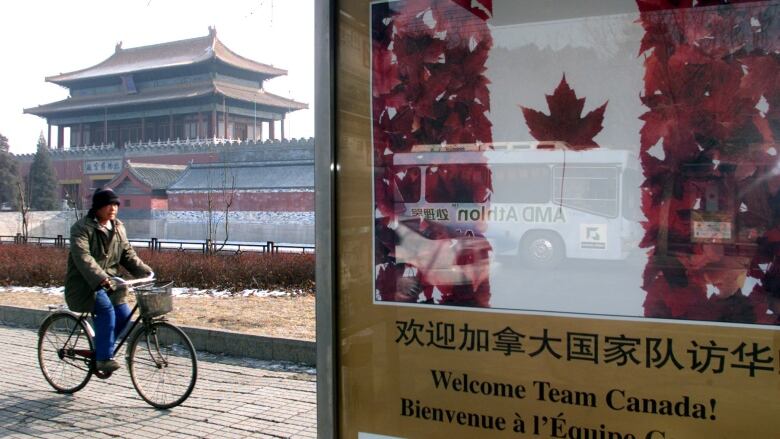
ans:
x=160 y=358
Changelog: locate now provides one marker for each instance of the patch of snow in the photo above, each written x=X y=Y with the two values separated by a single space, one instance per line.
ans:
x=177 y=292
x=54 y=291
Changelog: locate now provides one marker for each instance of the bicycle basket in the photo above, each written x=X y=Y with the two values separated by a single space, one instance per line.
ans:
x=154 y=299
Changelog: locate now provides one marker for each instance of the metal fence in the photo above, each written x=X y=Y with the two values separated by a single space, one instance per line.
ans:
x=160 y=245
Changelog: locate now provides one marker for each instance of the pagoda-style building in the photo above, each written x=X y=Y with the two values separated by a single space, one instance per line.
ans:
x=189 y=89
x=172 y=104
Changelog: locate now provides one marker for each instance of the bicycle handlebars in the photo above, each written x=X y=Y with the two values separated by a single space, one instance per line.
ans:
x=119 y=281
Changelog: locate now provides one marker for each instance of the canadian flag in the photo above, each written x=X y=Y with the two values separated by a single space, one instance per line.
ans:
x=481 y=8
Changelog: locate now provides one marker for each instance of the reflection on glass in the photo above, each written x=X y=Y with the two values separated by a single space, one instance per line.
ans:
x=544 y=166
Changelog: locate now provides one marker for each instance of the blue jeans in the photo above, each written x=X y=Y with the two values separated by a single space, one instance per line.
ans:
x=109 y=322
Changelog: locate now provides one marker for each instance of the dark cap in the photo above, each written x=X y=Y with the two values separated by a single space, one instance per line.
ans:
x=103 y=197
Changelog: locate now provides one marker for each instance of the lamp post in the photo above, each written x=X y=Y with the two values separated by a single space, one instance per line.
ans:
x=254 y=130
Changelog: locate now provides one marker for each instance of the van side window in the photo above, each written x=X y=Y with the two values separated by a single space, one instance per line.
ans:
x=592 y=189
x=408 y=183
x=521 y=184
x=457 y=183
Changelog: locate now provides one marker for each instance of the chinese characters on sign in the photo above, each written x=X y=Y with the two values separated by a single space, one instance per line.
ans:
x=618 y=349
x=102 y=166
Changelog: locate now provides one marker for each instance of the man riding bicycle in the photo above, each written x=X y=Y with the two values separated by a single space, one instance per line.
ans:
x=98 y=247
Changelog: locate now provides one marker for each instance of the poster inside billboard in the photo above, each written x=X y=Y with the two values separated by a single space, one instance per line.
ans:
x=574 y=222
x=611 y=165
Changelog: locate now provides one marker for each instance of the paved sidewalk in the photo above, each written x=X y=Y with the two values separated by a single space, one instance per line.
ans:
x=234 y=398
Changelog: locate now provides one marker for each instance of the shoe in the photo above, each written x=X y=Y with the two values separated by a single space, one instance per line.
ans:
x=106 y=366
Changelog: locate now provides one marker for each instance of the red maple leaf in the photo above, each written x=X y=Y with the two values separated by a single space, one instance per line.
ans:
x=481 y=8
x=565 y=122
x=660 y=5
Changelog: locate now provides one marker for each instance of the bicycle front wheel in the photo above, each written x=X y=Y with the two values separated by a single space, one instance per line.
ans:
x=162 y=364
x=65 y=352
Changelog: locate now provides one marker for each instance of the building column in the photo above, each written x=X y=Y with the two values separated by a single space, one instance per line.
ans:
x=259 y=135
x=143 y=129
x=60 y=137
x=105 y=126
x=271 y=130
x=170 y=126
x=48 y=137
x=197 y=125
x=281 y=125
x=213 y=129
x=80 y=140
x=225 y=112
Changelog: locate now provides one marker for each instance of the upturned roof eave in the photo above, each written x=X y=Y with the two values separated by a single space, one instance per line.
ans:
x=128 y=174
x=213 y=51
x=42 y=111
x=271 y=71
x=70 y=81
x=210 y=88
x=67 y=83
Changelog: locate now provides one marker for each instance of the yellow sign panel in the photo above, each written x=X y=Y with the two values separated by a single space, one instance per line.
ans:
x=102 y=177
x=530 y=250
x=456 y=374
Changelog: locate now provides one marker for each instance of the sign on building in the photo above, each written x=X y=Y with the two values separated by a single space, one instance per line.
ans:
x=102 y=166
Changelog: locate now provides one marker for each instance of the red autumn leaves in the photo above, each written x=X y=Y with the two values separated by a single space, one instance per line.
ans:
x=429 y=88
x=707 y=72
x=565 y=122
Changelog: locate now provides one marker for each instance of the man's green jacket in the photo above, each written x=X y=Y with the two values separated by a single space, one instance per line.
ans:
x=95 y=254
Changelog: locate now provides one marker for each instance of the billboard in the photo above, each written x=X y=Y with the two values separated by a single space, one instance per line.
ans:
x=559 y=221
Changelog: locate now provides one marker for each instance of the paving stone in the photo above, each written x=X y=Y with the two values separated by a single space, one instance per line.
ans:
x=234 y=398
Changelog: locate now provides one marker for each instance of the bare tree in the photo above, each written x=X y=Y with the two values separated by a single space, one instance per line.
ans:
x=24 y=209
x=219 y=203
x=73 y=204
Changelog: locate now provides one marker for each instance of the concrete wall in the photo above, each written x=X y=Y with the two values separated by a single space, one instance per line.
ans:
x=245 y=232
x=204 y=339
x=51 y=224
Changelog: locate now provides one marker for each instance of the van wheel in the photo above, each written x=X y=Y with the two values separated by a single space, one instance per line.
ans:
x=542 y=250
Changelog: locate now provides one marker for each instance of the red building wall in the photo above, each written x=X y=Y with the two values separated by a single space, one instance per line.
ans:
x=245 y=201
x=159 y=203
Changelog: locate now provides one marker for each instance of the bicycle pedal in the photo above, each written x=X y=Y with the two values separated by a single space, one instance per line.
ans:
x=103 y=375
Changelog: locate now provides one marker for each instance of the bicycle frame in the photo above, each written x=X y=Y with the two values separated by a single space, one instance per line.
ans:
x=149 y=340
x=75 y=353
x=89 y=354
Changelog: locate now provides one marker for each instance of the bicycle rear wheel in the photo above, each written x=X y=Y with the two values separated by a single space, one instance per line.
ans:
x=162 y=364
x=65 y=352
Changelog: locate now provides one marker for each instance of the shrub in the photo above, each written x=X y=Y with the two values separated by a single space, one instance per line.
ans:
x=235 y=272
x=28 y=265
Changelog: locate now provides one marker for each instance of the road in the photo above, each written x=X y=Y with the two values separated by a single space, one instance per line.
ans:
x=576 y=286
x=234 y=398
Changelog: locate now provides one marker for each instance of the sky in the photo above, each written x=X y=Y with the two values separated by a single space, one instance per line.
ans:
x=42 y=38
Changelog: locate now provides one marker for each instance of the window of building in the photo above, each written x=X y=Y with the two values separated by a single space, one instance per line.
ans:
x=240 y=131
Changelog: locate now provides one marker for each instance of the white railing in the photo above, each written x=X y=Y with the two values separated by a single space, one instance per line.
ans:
x=189 y=141
x=93 y=146
x=178 y=142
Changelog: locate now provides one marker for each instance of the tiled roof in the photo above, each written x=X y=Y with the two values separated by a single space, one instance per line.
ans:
x=260 y=96
x=155 y=175
x=252 y=175
x=172 y=54
x=162 y=94
x=110 y=100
